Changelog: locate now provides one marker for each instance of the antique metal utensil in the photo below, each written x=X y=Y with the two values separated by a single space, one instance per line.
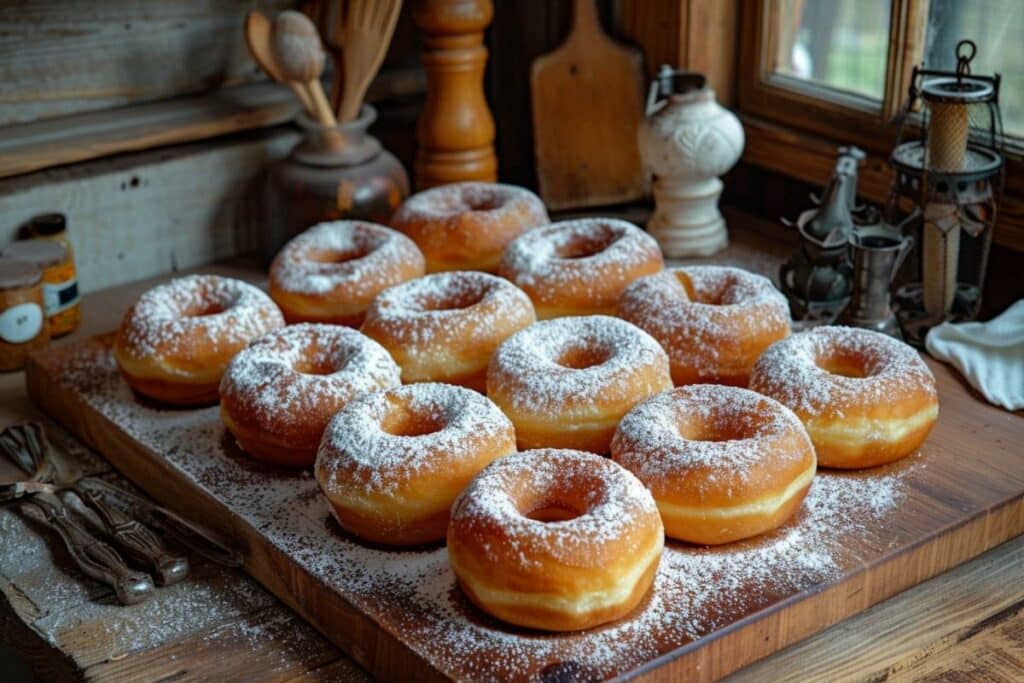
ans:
x=52 y=472
x=94 y=557
x=877 y=252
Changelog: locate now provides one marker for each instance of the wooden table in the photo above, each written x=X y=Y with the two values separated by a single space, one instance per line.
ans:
x=967 y=623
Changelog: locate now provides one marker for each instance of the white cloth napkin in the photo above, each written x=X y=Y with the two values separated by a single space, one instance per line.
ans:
x=990 y=355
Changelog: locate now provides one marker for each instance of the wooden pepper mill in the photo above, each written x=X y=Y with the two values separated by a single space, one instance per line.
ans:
x=456 y=129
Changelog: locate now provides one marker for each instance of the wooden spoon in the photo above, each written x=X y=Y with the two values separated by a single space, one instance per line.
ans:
x=257 y=37
x=364 y=29
x=300 y=56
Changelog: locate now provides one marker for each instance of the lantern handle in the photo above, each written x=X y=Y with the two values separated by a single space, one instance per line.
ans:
x=963 y=58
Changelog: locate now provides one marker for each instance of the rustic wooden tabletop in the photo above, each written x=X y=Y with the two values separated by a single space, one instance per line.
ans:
x=966 y=624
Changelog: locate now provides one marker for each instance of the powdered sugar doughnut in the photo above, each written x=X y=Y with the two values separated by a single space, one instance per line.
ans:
x=723 y=463
x=579 y=267
x=558 y=540
x=445 y=327
x=279 y=393
x=391 y=463
x=566 y=383
x=331 y=272
x=175 y=342
x=714 y=321
x=466 y=226
x=865 y=398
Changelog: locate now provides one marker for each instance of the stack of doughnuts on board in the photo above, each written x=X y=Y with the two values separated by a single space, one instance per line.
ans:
x=547 y=398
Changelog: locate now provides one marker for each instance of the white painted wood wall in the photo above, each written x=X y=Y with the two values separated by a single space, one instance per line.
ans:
x=144 y=213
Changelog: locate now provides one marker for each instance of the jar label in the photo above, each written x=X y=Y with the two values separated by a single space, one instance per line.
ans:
x=60 y=296
x=21 y=323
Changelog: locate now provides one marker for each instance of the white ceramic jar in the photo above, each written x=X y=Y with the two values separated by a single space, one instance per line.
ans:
x=688 y=140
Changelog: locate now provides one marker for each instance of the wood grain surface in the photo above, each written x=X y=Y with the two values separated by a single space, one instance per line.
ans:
x=60 y=57
x=587 y=100
x=960 y=496
x=954 y=617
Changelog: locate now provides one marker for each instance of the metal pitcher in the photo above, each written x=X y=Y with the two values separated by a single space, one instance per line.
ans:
x=877 y=252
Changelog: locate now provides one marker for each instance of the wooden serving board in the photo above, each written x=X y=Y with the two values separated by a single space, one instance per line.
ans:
x=858 y=539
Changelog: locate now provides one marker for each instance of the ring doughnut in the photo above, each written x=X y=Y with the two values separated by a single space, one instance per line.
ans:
x=713 y=321
x=579 y=267
x=865 y=398
x=331 y=272
x=175 y=342
x=723 y=463
x=279 y=393
x=445 y=327
x=391 y=463
x=566 y=383
x=466 y=226
x=558 y=540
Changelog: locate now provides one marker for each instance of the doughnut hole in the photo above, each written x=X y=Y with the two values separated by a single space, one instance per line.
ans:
x=586 y=245
x=204 y=309
x=454 y=301
x=316 y=366
x=402 y=421
x=721 y=426
x=583 y=357
x=843 y=364
x=357 y=251
x=560 y=501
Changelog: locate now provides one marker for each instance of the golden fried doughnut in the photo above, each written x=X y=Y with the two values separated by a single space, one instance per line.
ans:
x=279 y=393
x=558 y=540
x=391 y=463
x=331 y=272
x=713 y=321
x=176 y=341
x=579 y=267
x=865 y=398
x=466 y=226
x=445 y=327
x=723 y=463
x=566 y=383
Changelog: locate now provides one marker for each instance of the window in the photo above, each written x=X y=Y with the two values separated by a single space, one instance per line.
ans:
x=841 y=68
x=838 y=45
x=816 y=74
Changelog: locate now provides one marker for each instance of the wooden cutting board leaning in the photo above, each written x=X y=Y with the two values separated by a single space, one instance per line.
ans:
x=587 y=99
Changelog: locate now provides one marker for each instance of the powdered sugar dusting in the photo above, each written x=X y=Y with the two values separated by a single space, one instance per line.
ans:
x=586 y=258
x=611 y=506
x=487 y=201
x=357 y=257
x=355 y=443
x=262 y=381
x=527 y=365
x=412 y=594
x=216 y=312
x=704 y=333
x=455 y=308
x=649 y=443
x=789 y=372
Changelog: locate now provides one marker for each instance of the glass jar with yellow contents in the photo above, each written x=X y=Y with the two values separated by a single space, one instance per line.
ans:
x=60 y=281
x=23 y=327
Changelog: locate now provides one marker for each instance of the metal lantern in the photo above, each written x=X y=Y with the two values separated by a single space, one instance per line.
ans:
x=944 y=191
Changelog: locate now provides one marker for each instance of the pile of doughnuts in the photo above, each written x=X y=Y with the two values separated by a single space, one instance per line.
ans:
x=552 y=457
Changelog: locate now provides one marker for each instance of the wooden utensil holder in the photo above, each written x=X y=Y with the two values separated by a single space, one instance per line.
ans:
x=456 y=129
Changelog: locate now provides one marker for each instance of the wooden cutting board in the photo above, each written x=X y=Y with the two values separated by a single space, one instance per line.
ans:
x=587 y=99
x=858 y=539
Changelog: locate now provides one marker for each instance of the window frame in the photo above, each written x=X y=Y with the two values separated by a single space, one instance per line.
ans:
x=798 y=104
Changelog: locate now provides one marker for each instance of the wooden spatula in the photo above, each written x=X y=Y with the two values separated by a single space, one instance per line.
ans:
x=587 y=103
x=364 y=29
